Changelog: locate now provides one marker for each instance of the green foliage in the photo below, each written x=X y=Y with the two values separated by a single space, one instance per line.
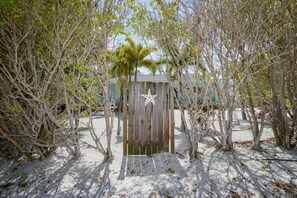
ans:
x=50 y=42
x=175 y=105
x=129 y=57
x=170 y=171
x=14 y=109
x=84 y=113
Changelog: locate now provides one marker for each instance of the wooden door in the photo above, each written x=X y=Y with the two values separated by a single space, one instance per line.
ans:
x=150 y=119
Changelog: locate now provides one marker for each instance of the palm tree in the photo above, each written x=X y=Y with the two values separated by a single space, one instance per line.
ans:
x=121 y=67
x=121 y=64
x=127 y=59
x=135 y=55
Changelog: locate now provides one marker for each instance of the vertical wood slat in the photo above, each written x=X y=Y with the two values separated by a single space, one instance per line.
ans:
x=136 y=118
x=125 y=117
x=166 y=117
x=150 y=127
x=149 y=110
x=155 y=120
x=160 y=116
x=171 y=122
x=130 y=118
x=143 y=119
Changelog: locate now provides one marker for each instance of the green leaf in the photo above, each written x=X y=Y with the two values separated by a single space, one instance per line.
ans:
x=14 y=109
x=84 y=113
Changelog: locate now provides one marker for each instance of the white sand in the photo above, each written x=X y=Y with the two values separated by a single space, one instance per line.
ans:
x=215 y=174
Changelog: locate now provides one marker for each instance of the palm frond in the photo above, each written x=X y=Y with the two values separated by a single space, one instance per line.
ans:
x=144 y=52
x=149 y=64
x=128 y=51
x=130 y=42
x=139 y=48
x=170 y=64
x=146 y=62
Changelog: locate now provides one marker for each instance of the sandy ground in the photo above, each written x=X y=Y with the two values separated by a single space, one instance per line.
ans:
x=243 y=173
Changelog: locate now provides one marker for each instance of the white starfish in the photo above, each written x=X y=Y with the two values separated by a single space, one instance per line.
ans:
x=149 y=98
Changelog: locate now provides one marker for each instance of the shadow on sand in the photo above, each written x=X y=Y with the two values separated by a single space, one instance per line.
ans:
x=156 y=164
x=77 y=181
x=240 y=172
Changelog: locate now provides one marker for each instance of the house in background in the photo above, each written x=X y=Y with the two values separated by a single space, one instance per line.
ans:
x=114 y=92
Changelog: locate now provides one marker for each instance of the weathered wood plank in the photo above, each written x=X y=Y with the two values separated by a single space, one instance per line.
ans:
x=172 y=121
x=130 y=167
x=151 y=132
x=160 y=115
x=125 y=140
x=143 y=119
x=155 y=121
x=166 y=117
x=150 y=127
x=166 y=166
x=136 y=118
x=130 y=118
x=158 y=164
x=148 y=149
x=137 y=166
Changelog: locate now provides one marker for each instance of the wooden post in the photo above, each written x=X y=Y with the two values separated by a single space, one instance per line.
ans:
x=125 y=116
x=143 y=119
x=160 y=110
x=130 y=119
x=154 y=121
x=137 y=120
x=171 y=120
x=148 y=111
x=166 y=118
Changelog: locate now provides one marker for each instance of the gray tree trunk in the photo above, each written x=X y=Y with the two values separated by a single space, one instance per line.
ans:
x=108 y=120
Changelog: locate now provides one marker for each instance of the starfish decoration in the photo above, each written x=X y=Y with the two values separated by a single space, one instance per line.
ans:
x=149 y=98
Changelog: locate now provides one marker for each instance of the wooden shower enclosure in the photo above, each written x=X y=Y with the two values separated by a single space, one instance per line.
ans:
x=149 y=127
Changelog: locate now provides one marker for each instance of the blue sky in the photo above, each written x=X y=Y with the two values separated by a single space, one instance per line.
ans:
x=121 y=39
